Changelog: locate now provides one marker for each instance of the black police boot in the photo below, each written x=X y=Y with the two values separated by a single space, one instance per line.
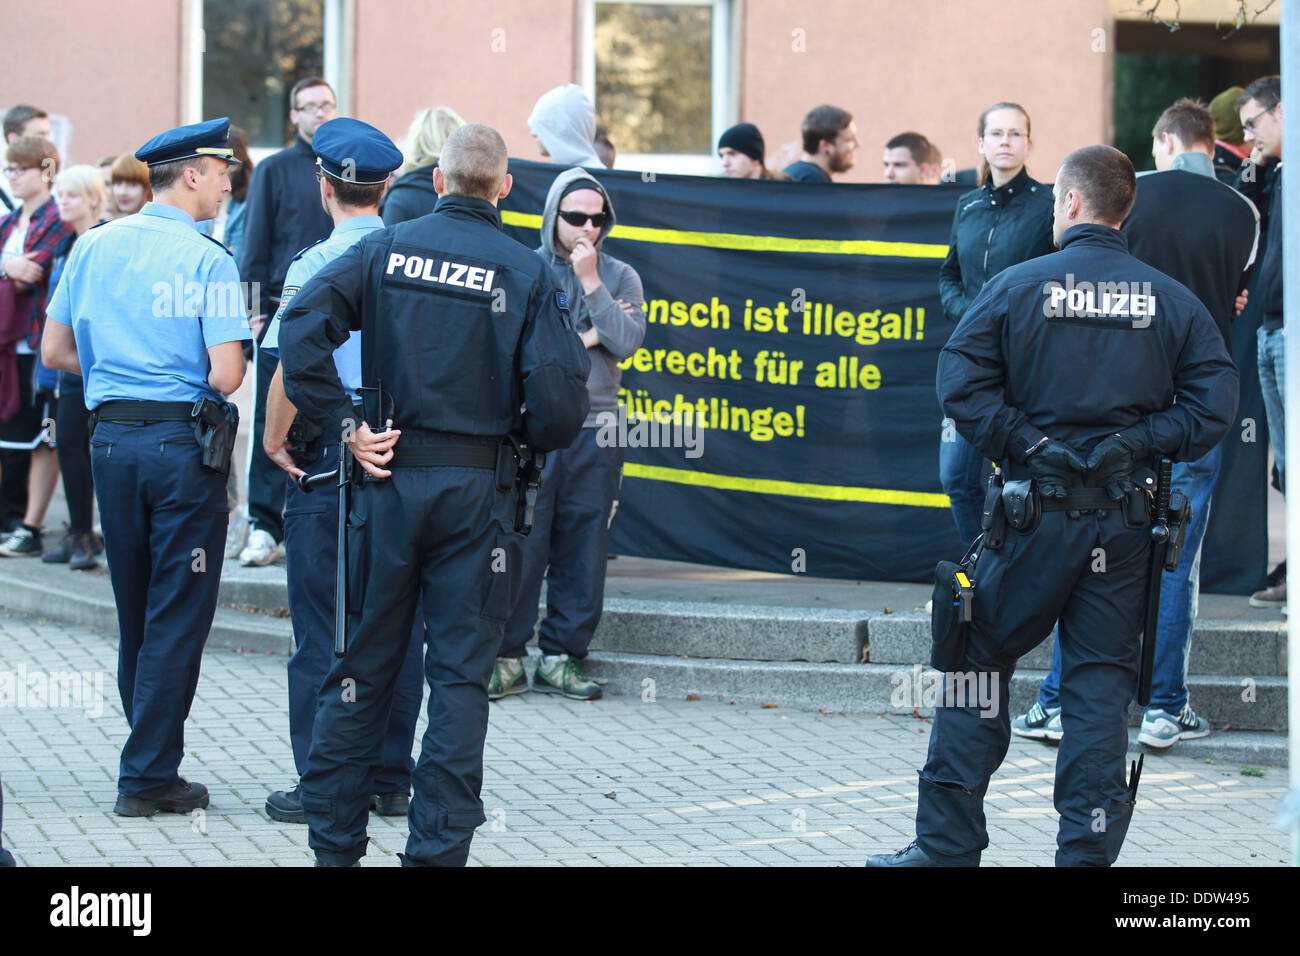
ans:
x=320 y=862
x=182 y=797
x=910 y=855
x=391 y=804
x=286 y=806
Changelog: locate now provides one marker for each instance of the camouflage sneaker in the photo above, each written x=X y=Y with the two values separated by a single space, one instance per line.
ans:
x=564 y=675
x=508 y=678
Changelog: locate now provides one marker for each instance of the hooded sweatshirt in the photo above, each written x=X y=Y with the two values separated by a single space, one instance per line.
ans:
x=620 y=334
x=565 y=121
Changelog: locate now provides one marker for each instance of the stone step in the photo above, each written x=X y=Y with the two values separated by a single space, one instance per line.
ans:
x=1246 y=703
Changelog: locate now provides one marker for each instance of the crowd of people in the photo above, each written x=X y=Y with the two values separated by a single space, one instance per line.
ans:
x=300 y=213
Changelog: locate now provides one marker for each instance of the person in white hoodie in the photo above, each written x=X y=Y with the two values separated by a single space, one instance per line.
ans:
x=576 y=502
x=564 y=122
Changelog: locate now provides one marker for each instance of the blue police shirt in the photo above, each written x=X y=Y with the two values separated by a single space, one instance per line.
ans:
x=347 y=357
x=146 y=297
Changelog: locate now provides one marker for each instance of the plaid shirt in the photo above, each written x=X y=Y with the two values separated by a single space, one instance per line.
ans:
x=44 y=232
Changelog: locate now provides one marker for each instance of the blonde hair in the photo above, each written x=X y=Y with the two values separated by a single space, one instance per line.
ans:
x=85 y=181
x=429 y=130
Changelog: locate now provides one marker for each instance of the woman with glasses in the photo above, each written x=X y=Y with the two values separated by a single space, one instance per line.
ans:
x=1007 y=220
x=28 y=238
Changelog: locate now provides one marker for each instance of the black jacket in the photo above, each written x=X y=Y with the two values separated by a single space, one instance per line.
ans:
x=1198 y=231
x=284 y=217
x=1269 y=284
x=463 y=325
x=410 y=197
x=993 y=229
x=1022 y=365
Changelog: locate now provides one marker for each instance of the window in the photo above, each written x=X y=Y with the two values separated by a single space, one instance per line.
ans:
x=242 y=57
x=660 y=77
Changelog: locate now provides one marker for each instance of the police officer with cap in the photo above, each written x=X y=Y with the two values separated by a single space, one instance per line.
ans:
x=151 y=313
x=467 y=343
x=354 y=161
x=1075 y=370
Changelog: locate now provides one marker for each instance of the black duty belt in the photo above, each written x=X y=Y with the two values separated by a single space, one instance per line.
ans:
x=1083 y=499
x=129 y=411
x=465 y=454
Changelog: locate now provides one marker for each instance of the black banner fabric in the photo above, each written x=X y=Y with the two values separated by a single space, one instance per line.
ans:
x=800 y=324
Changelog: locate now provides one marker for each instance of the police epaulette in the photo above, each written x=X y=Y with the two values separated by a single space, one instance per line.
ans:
x=218 y=243
x=298 y=254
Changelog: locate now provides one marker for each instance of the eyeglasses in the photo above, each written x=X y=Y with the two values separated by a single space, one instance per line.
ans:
x=579 y=219
x=12 y=171
x=318 y=108
x=1250 y=123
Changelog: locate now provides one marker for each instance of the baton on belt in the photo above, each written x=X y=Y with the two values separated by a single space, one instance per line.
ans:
x=341 y=477
x=1159 y=546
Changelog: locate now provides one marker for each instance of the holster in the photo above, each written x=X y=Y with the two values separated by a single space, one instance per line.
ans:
x=520 y=467
x=1022 y=504
x=215 y=427
x=1180 y=516
x=950 y=613
x=305 y=442
x=994 y=521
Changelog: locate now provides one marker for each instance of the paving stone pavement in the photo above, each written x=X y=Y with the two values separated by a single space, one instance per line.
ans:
x=617 y=782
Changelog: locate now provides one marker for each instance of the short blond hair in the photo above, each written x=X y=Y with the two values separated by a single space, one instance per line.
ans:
x=428 y=134
x=84 y=181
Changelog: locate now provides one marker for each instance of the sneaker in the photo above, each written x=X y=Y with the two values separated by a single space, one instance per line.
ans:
x=63 y=553
x=83 y=553
x=564 y=675
x=1162 y=729
x=508 y=678
x=1039 y=723
x=1278 y=574
x=1273 y=596
x=236 y=536
x=22 y=543
x=261 y=549
x=286 y=806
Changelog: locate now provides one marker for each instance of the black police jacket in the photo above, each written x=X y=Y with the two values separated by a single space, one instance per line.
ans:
x=991 y=230
x=1083 y=344
x=284 y=217
x=465 y=327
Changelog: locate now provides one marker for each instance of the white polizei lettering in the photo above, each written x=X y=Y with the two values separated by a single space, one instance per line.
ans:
x=455 y=278
x=474 y=278
x=1058 y=295
x=429 y=265
x=413 y=266
x=442 y=276
x=487 y=280
x=395 y=259
x=1122 y=300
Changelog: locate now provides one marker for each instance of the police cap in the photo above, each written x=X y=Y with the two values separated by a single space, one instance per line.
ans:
x=355 y=152
x=210 y=138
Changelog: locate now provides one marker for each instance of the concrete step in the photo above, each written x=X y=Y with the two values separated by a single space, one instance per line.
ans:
x=1256 y=648
x=1247 y=703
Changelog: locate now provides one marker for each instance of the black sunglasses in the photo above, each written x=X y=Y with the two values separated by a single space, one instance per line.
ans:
x=580 y=218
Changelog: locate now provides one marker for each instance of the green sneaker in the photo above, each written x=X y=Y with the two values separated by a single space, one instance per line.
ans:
x=564 y=675
x=508 y=678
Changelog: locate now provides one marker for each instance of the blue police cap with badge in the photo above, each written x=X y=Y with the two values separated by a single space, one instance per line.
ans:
x=355 y=152
x=210 y=138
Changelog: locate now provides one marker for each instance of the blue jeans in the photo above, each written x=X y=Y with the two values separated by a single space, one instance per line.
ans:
x=1178 y=595
x=960 y=468
x=1272 y=382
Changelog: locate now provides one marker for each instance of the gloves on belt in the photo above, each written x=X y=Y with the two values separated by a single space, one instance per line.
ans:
x=1110 y=466
x=1055 y=466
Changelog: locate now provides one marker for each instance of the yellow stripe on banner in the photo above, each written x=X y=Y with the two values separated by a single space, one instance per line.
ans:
x=797 y=489
x=734 y=240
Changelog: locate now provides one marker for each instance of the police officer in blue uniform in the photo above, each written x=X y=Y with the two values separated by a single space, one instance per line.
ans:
x=354 y=161
x=471 y=341
x=1074 y=370
x=151 y=313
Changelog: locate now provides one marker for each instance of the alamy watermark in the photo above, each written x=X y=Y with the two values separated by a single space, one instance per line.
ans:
x=79 y=690
x=924 y=687
x=616 y=430
x=185 y=298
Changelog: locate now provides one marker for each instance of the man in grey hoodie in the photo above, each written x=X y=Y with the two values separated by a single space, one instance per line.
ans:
x=575 y=506
x=564 y=122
